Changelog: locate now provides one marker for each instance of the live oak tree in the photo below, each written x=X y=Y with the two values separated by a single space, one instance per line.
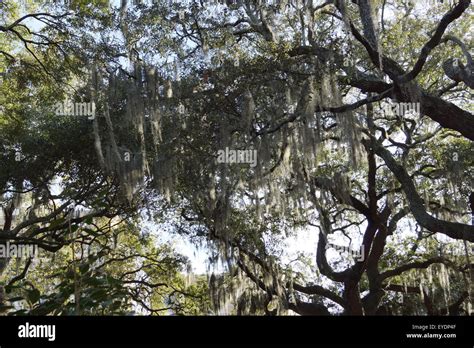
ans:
x=55 y=196
x=308 y=85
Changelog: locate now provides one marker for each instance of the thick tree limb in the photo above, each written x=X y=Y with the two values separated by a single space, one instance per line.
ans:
x=445 y=113
x=319 y=290
x=435 y=40
x=412 y=265
x=454 y=230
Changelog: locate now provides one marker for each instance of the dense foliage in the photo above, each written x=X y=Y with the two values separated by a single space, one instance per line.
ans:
x=358 y=115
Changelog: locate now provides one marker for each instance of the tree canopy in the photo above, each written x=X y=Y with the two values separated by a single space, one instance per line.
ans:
x=240 y=127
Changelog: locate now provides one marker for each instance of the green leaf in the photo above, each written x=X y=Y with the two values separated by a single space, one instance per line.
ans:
x=84 y=268
x=15 y=299
x=34 y=295
x=57 y=222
